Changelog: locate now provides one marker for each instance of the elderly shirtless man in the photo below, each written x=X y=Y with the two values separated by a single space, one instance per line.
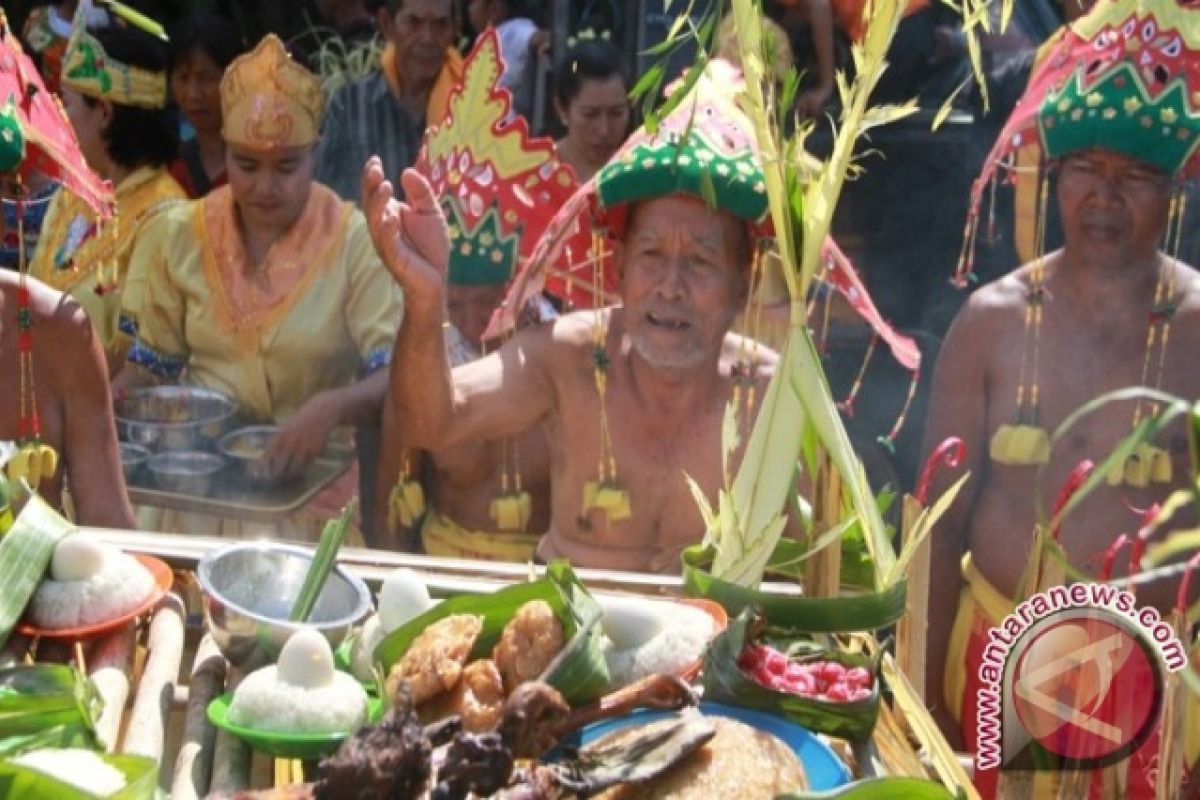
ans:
x=684 y=272
x=73 y=402
x=1102 y=296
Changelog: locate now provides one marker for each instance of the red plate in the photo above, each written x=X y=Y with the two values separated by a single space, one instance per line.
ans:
x=162 y=584
x=720 y=622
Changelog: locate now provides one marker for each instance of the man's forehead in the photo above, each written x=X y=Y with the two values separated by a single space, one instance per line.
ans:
x=653 y=217
x=423 y=9
x=1100 y=155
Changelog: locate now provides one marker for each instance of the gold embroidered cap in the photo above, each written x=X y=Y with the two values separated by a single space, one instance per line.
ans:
x=270 y=101
x=89 y=70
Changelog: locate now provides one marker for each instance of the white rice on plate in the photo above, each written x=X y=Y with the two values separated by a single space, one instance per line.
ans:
x=81 y=769
x=680 y=642
x=264 y=702
x=116 y=589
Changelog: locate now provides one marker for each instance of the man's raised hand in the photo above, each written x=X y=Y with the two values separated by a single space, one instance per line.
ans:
x=410 y=237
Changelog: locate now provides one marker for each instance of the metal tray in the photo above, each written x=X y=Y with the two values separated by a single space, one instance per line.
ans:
x=233 y=497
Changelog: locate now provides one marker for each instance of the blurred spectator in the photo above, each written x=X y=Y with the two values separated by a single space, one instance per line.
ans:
x=202 y=46
x=811 y=48
x=520 y=43
x=35 y=194
x=114 y=89
x=386 y=112
x=779 y=56
x=591 y=100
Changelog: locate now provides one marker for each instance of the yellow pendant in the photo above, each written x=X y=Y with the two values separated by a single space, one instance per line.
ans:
x=32 y=463
x=512 y=511
x=1020 y=446
x=1160 y=466
x=406 y=504
x=608 y=497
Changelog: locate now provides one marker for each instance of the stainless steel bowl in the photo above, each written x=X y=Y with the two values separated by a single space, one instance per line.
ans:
x=174 y=417
x=249 y=589
x=244 y=448
x=186 y=472
x=133 y=460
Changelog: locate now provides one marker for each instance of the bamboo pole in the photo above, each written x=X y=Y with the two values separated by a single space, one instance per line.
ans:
x=110 y=664
x=231 y=756
x=913 y=626
x=194 y=763
x=823 y=571
x=156 y=689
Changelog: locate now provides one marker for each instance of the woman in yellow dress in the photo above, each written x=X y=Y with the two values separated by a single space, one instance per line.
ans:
x=114 y=89
x=268 y=289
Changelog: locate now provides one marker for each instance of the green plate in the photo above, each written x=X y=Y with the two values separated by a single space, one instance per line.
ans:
x=305 y=746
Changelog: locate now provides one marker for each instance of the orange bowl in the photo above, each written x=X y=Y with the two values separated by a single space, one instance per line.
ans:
x=720 y=622
x=163 y=579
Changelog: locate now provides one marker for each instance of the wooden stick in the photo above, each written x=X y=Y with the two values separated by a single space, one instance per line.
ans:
x=231 y=756
x=152 y=704
x=912 y=628
x=111 y=662
x=194 y=763
x=823 y=571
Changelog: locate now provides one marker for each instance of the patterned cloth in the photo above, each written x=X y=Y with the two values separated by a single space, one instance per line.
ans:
x=363 y=119
x=35 y=215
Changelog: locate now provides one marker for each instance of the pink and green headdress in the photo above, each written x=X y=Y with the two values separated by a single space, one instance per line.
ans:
x=497 y=185
x=1124 y=77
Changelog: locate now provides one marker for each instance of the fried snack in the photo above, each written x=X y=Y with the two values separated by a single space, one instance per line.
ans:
x=529 y=643
x=479 y=696
x=435 y=659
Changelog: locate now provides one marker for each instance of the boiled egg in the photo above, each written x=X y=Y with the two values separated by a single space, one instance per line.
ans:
x=306 y=660
x=403 y=596
x=631 y=621
x=78 y=557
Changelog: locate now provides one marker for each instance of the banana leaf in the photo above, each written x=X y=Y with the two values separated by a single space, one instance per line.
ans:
x=58 y=736
x=42 y=696
x=25 y=553
x=579 y=672
x=851 y=612
x=6 y=517
x=724 y=682
x=141 y=776
x=879 y=789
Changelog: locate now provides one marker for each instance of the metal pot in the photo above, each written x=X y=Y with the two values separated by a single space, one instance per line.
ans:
x=174 y=417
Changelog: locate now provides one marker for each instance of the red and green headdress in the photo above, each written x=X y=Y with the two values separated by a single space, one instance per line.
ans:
x=35 y=134
x=498 y=185
x=1124 y=77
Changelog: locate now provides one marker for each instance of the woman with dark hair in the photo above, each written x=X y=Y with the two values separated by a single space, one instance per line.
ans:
x=114 y=89
x=591 y=99
x=202 y=45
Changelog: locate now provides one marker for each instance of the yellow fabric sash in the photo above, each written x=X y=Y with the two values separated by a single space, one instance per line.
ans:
x=444 y=537
x=449 y=77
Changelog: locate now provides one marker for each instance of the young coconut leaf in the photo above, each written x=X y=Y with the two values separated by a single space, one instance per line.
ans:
x=25 y=553
x=580 y=671
x=140 y=773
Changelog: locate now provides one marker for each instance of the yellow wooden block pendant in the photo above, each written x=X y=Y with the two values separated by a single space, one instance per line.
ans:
x=1020 y=446
x=406 y=503
x=32 y=463
x=511 y=511
x=1145 y=465
x=608 y=497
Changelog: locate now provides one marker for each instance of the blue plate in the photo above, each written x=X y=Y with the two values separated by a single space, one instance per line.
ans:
x=825 y=770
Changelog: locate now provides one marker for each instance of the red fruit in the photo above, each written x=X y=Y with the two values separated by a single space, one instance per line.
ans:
x=775 y=662
x=803 y=683
x=857 y=677
x=837 y=693
x=750 y=659
x=860 y=693
x=832 y=672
